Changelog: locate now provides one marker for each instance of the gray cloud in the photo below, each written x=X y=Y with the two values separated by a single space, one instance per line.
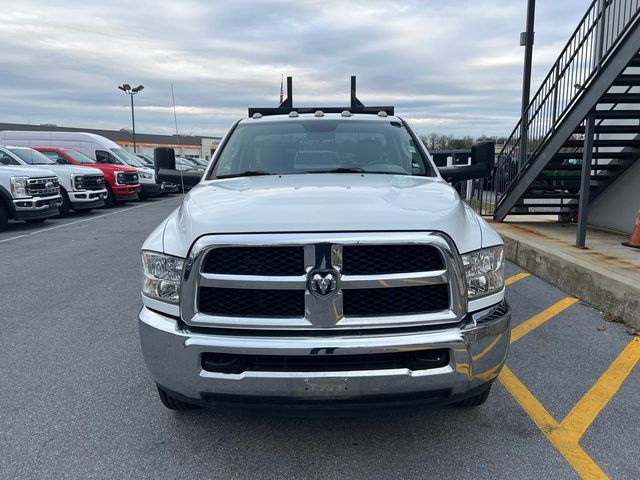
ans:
x=448 y=66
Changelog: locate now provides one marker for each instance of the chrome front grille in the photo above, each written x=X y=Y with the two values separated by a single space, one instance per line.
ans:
x=43 y=186
x=320 y=281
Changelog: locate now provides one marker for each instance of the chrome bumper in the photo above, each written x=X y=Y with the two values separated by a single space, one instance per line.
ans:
x=36 y=203
x=477 y=351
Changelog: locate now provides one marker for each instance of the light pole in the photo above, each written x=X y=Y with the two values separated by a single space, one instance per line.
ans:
x=126 y=88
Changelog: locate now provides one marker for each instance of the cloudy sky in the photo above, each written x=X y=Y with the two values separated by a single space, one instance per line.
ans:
x=449 y=66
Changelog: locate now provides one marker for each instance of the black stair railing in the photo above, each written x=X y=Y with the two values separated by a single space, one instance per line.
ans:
x=597 y=34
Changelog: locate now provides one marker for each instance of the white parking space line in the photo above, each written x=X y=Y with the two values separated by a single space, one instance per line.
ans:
x=123 y=210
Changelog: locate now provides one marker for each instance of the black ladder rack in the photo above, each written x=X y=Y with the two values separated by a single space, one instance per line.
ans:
x=286 y=107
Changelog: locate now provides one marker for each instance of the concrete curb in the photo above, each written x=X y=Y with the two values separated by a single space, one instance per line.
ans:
x=601 y=288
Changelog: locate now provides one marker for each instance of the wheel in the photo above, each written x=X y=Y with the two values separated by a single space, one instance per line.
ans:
x=173 y=403
x=36 y=220
x=4 y=217
x=63 y=210
x=109 y=201
x=474 y=401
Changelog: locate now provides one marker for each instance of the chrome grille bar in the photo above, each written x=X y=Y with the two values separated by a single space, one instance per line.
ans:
x=323 y=251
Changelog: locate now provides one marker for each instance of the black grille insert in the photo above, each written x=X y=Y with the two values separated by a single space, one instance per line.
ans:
x=251 y=302
x=381 y=259
x=234 y=364
x=396 y=301
x=131 y=178
x=93 y=182
x=273 y=261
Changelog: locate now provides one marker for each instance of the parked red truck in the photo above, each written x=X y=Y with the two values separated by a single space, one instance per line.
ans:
x=122 y=181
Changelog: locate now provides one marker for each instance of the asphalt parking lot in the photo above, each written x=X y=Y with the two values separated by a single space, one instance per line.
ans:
x=76 y=400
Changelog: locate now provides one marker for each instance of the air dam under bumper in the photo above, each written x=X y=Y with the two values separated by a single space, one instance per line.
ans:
x=477 y=351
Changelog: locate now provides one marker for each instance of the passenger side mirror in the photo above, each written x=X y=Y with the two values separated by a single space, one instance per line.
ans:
x=165 y=166
x=482 y=161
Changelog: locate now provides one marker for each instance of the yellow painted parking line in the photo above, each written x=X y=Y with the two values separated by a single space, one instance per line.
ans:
x=534 y=322
x=515 y=278
x=564 y=442
x=591 y=404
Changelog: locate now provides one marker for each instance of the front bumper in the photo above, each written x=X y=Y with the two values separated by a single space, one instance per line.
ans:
x=150 y=189
x=36 y=207
x=477 y=349
x=84 y=199
x=168 y=188
x=125 y=192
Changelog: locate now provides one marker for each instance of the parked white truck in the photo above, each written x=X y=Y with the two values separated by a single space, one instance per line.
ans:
x=323 y=261
x=81 y=188
x=29 y=194
x=97 y=147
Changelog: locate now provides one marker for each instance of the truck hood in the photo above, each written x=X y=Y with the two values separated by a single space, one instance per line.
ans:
x=320 y=203
x=110 y=167
x=19 y=171
x=66 y=170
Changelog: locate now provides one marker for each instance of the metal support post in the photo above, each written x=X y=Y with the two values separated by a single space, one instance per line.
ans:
x=526 y=40
x=585 y=180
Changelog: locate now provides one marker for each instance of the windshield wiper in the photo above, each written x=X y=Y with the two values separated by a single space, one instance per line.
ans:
x=338 y=170
x=248 y=173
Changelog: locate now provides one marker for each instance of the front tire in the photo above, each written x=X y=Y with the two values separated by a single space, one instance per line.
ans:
x=109 y=201
x=4 y=217
x=474 y=401
x=63 y=210
x=173 y=403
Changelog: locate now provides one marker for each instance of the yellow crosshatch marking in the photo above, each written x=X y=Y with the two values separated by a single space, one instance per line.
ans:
x=587 y=409
x=515 y=278
x=565 y=435
x=534 y=322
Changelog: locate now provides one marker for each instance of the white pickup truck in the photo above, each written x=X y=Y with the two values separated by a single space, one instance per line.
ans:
x=81 y=188
x=29 y=194
x=324 y=262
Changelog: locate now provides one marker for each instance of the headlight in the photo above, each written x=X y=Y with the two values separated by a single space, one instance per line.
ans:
x=19 y=187
x=484 y=271
x=145 y=174
x=119 y=178
x=77 y=181
x=162 y=276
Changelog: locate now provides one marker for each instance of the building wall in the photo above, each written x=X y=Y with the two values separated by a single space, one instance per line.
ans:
x=616 y=208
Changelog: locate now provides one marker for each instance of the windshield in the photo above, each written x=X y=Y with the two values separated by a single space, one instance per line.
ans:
x=126 y=158
x=79 y=157
x=32 y=157
x=321 y=146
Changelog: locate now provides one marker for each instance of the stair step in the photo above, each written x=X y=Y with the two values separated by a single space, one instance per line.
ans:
x=620 y=98
x=611 y=155
x=542 y=196
x=544 y=205
x=631 y=79
x=543 y=212
x=631 y=129
x=629 y=142
x=618 y=114
x=635 y=62
x=551 y=167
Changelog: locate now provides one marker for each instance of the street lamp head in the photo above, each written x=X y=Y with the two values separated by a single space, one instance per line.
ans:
x=126 y=86
x=139 y=88
x=122 y=88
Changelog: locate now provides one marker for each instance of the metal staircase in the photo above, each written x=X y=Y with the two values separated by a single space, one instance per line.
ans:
x=586 y=113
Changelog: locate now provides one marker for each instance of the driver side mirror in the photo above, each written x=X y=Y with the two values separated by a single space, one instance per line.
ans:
x=165 y=166
x=483 y=155
x=61 y=161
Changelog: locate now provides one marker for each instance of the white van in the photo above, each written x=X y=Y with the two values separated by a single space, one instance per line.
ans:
x=95 y=146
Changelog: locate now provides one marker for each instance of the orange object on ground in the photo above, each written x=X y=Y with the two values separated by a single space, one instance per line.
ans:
x=634 y=241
